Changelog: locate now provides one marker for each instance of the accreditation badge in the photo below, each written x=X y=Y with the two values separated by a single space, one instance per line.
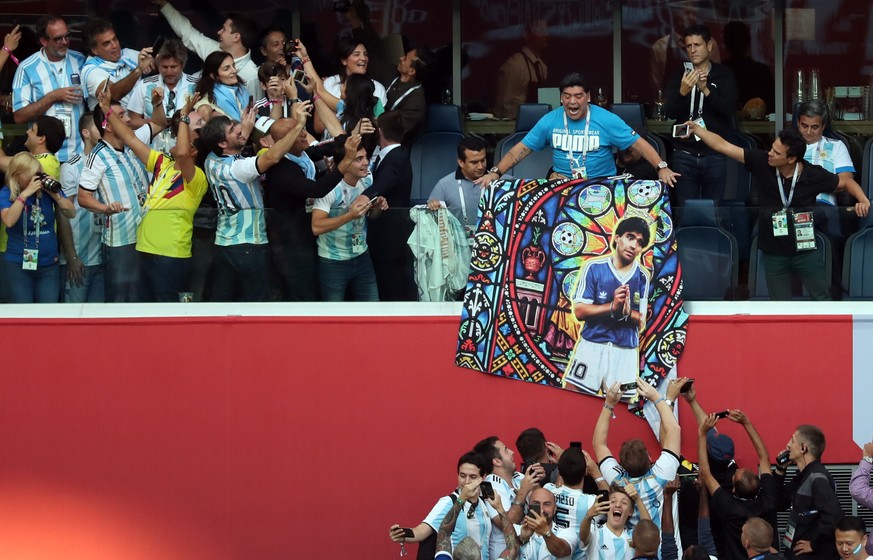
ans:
x=66 y=119
x=804 y=231
x=580 y=173
x=788 y=536
x=699 y=122
x=30 y=260
x=780 y=223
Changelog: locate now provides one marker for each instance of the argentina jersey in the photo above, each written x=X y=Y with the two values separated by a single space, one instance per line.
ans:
x=598 y=281
x=37 y=77
x=141 y=96
x=350 y=239
x=85 y=225
x=571 y=505
x=236 y=185
x=116 y=176
x=650 y=486
x=96 y=70
x=536 y=548
x=476 y=524
x=507 y=493
x=606 y=545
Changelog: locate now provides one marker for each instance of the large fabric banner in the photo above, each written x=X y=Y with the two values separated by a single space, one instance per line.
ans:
x=574 y=284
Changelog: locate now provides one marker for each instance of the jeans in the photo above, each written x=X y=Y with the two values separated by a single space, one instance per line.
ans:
x=240 y=273
x=32 y=286
x=121 y=274
x=356 y=275
x=701 y=176
x=92 y=289
x=806 y=264
x=163 y=277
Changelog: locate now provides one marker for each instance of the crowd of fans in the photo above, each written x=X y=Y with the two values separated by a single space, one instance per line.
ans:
x=130 y=162
x=564 y=503
x=279 y=172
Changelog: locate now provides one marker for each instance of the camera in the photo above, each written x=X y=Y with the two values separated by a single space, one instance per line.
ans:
x=782 y=459
x=49 y=183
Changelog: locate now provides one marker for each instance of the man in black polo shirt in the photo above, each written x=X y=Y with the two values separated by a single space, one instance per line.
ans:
x=787 y=187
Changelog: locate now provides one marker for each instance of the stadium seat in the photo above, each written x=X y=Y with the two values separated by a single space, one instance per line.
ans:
x=858 y=265
x=710 y=263
x=633 y=114
x=658 y=143
x=536 y=165
x=757 y=281
x=443 y=118
x=529 y=114
x=433 y=155
x=698 y=212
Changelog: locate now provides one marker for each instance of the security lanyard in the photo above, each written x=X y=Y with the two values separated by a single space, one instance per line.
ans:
x=584 y=146
x=463 y=202
x=787 y=202
x=694 y=91
x=402 y=97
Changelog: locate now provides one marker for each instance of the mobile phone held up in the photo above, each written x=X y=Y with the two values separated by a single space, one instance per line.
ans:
x=680 y=130
x=486 y=490
x=687 y=387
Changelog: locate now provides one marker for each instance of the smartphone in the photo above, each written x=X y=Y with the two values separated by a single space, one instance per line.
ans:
x=300 y=77
x=722 y=414
x=533 y=508
x=159 y=42
x=374 y=199
x=687 y=387
x=486 y=490
x=624 y=387
x=251 y=103
x=106 y=87
x=602 y=496
x=577 y=444
x=689 y=66
x=680 y=130
x=408 y=533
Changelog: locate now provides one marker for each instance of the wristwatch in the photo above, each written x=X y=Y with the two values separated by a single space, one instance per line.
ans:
x=868 y=459
x=662 y=165
x=670 y=402
x=547 y=534
x=185 y=119
x=494 y=170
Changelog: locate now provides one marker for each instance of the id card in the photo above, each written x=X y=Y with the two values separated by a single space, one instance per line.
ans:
x=780 y=224
x=358 y=241
x=579 y=173
x=788 y=536
x=67 y=120
x=471 y=235
x=699 y=122
x=804 y=231
x=30 y=260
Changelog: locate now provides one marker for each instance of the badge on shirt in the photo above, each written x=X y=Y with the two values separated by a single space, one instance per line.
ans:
x=580 y=173
x=699 y=122
x=67 y=120
x=30 y=260
x=780 y=223
x=788 y=537
x=804 y=231
x=357 y=241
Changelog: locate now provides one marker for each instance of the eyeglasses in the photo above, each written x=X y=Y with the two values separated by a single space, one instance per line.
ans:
x=60 y=39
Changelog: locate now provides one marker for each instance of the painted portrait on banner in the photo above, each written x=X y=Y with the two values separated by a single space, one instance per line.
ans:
x=574 y=284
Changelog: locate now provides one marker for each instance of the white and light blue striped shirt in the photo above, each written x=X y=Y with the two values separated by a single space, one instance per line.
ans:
x=478 y=526
x=650 y=486
x=36 y=77
x=350 y=239
x=86 y=226
x=141 y=102
x=116 y=176
x=507 y=493
x=571 y=505
x=236 y=185
x=96 y=70
x=536 y=548
x=605 y=545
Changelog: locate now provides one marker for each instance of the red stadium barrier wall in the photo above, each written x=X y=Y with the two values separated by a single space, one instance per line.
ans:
x=306 y=437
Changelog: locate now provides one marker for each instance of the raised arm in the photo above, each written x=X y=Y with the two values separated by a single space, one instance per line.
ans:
x=601 y=428
x=690 y=397
x=704 y=474
x=121 y=130
x=666 y=175
x=145 y=64
x=506 y=526
x=716 y=142
x=597 y=508
x=183 y=155
x=512 y=158
x=278 y=150
x=850 y=185
x=757 y=442
x=669 y=550
x=672 y=435
x=191 y=38
x=632 y=493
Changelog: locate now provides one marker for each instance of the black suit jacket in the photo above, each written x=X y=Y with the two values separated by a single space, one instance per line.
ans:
x=393 y=178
